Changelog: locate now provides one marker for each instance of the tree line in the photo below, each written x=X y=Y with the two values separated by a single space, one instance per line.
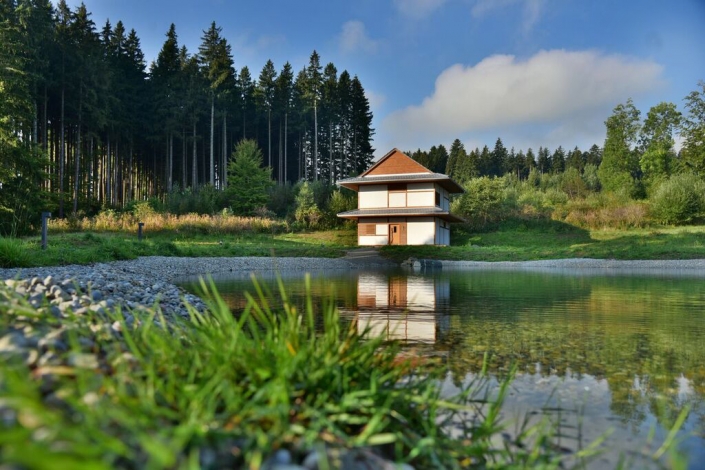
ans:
x=85 y=123
x=636 y=154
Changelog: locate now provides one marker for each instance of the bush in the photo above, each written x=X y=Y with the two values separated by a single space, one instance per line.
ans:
x=679 y=199
x=13 y=254
x=340 y=201
x=483 y=202
x=307 y=212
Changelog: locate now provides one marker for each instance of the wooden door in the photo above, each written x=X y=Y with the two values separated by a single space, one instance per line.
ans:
x=394 y=234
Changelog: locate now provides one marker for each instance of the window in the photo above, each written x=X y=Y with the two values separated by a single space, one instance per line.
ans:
x=438 y=199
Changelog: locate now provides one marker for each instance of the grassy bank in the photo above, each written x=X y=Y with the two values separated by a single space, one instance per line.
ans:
x=91 y=247
x=110 y=237
x=96 y=391
x=523 y=241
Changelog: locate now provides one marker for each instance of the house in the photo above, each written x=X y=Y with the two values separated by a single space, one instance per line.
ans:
x=401 y=202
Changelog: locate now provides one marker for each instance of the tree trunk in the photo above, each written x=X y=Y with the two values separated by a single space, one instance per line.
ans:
x=315 y=141
x=108 y=188
x=194 y=166
x=269 y=135
x=170 y=180
x=78 y=149
x=62 y=157
x=330 y=151
x=224 y=163
x=212 y=139
x=183 y=158
x=286 y=161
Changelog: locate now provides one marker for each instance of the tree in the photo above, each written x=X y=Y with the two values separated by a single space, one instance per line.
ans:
x=313 y=93
x=498 y=159
x=693 y=130
x=165 y=74
x=575 y=159
x=361 y=128
x=264 y=93
x=619 y=170
x=284 y=102
x=657 y=141
x=216 y=60
x=558 y=160
x=248 y=182
x=455 y=158
x=544 y=160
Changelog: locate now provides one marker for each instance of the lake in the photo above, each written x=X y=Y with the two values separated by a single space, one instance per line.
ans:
x=595 y=351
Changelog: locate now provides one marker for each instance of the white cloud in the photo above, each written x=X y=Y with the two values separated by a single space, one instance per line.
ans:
x=558 y=90
x=418 y=9
x=531 y=10
x=375 y=99
x=354 y=38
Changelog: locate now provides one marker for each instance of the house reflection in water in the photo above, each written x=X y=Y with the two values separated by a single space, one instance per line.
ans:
x=408 y=308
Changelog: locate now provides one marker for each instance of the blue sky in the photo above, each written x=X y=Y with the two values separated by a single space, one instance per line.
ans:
x=533 y=72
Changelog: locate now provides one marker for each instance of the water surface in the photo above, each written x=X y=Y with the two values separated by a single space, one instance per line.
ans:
x=595 y=351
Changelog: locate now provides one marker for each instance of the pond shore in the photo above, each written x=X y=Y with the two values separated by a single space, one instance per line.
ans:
x=147 y=280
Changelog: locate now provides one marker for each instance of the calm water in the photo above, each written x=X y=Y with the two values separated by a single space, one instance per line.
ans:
x=619 y=353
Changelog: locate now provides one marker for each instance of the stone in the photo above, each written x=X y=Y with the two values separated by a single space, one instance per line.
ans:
x=83 y=360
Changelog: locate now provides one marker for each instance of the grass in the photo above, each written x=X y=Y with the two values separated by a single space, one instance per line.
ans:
x=110 y=237
x=218 y=391
x=555 y=240
x=92 y=247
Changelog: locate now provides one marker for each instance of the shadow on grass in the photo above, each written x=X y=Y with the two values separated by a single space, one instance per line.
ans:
x=521 y=240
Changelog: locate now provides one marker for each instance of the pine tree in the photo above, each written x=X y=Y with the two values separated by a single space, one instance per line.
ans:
x=215 y=57
x=362 y=131
x=264 y=93
x=284 y=102
x=313 y=93
x=498 y=159
x=558 y=160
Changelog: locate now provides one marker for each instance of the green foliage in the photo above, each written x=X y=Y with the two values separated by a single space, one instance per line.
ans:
x=307 y=212
x=282 y=199
x=693 y=131
x=619 y=169
x=679 y=199
x=13 y=254
x=482 y=203
x=592 y=181
x=341 y=200
x=203 y=200
x=248 y=182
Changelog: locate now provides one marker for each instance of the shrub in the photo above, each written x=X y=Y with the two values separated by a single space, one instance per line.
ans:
x=13 y=254
x=679 y=199
x=339 y=202
x=307 y=212
x=482 y=203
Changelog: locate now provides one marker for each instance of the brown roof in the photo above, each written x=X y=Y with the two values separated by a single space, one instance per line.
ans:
x=397 y=167
x=401 y=212
x=395 y=162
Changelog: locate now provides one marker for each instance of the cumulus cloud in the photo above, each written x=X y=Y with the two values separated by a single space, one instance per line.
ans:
x=418 y=8
x=551 y=88
x=354 y=38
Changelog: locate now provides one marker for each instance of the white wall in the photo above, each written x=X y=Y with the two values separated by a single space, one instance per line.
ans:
x=420 y=231
x=371 y=240
x=397 y=199
x=372 y=196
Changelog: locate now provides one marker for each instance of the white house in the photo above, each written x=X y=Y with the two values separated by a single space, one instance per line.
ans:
x=401 y=202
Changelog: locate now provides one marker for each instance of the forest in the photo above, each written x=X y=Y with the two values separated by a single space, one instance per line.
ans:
x=86 y=124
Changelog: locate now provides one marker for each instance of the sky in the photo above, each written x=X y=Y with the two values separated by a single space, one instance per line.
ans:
x=531 y=72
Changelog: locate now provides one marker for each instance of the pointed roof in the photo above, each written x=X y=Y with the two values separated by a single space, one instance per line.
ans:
x=397 y=167
x=395 y=162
